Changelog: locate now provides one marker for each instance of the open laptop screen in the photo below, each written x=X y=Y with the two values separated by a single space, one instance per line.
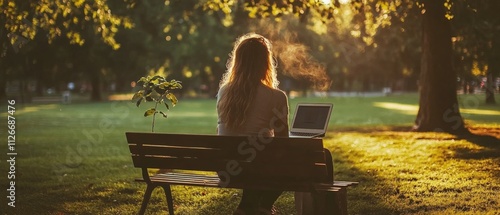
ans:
x=311 y=117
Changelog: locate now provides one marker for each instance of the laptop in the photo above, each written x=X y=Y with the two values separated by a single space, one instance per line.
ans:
x=311 y=120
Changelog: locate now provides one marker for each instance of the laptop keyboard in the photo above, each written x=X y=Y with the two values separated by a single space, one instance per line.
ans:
x=303 y=134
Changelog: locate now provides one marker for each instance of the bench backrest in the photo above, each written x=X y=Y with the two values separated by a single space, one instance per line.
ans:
x=237 y=157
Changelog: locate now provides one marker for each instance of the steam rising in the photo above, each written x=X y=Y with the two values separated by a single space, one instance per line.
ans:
x=294 y=59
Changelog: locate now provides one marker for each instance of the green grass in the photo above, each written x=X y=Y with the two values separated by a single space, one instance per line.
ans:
x=73 y=159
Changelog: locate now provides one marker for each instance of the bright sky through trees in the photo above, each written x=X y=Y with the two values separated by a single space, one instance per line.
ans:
x=330 y=1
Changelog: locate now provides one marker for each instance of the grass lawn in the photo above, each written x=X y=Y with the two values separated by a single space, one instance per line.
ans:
x=73 y=159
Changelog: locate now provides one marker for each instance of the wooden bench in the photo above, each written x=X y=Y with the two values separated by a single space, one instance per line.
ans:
x=288 y=164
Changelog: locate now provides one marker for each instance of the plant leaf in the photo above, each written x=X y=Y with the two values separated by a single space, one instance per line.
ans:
x=138 y=102
x=149 y=98
x=174 y=84
x=172 y=98
x=142 y=80
x=160 y=90
x=166 y=105
x=149 y=112
x=164 y=114
x=156 y=79
x=164 y=85
x=137 y=95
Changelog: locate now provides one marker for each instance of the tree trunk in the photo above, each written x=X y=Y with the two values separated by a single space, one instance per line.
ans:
x=5 y=48
x=438 y=105
x=3 y=85
x=95 y=82
x=490 y=89
x=493 y=69
x=465 y=86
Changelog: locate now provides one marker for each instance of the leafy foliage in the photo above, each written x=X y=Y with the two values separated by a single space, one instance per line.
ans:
x=156 y=89
x=62 y=18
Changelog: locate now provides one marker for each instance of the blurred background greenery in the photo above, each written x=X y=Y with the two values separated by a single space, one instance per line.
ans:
x=93 y=49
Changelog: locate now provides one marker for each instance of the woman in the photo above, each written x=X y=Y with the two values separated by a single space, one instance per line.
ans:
x=249 y=103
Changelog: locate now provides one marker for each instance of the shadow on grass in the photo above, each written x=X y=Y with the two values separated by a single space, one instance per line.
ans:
x=373 y=129
x=490 y=146
x=359 y=201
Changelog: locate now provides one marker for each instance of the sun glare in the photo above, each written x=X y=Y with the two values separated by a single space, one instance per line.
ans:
x=32 y=109
x=403 y=108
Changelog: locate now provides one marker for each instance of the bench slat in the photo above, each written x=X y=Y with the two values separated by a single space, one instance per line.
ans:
x=179 y=163
x=215 y=141
x=266 y=155
x=345 y=183
x=214 y=181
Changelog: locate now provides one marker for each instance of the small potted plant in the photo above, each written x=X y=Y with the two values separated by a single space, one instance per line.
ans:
x=156 y=89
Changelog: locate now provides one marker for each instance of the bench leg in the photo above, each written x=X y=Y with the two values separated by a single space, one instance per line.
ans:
x=170 y=201
x=342 y=195
x=327 y=203
x=304 y=203
x=324 y=203
x=145 y=200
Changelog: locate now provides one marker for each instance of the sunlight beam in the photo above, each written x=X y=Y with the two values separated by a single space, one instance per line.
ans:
x=403 y=108
x=32 y=109
x=413 y=109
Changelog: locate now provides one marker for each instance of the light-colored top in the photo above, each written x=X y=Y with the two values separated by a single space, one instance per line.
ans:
x=268 y=115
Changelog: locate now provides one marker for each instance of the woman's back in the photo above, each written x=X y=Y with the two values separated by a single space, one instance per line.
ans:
x=267 y=116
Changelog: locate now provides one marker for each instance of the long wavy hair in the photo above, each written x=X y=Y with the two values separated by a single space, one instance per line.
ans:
x=250 y=64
